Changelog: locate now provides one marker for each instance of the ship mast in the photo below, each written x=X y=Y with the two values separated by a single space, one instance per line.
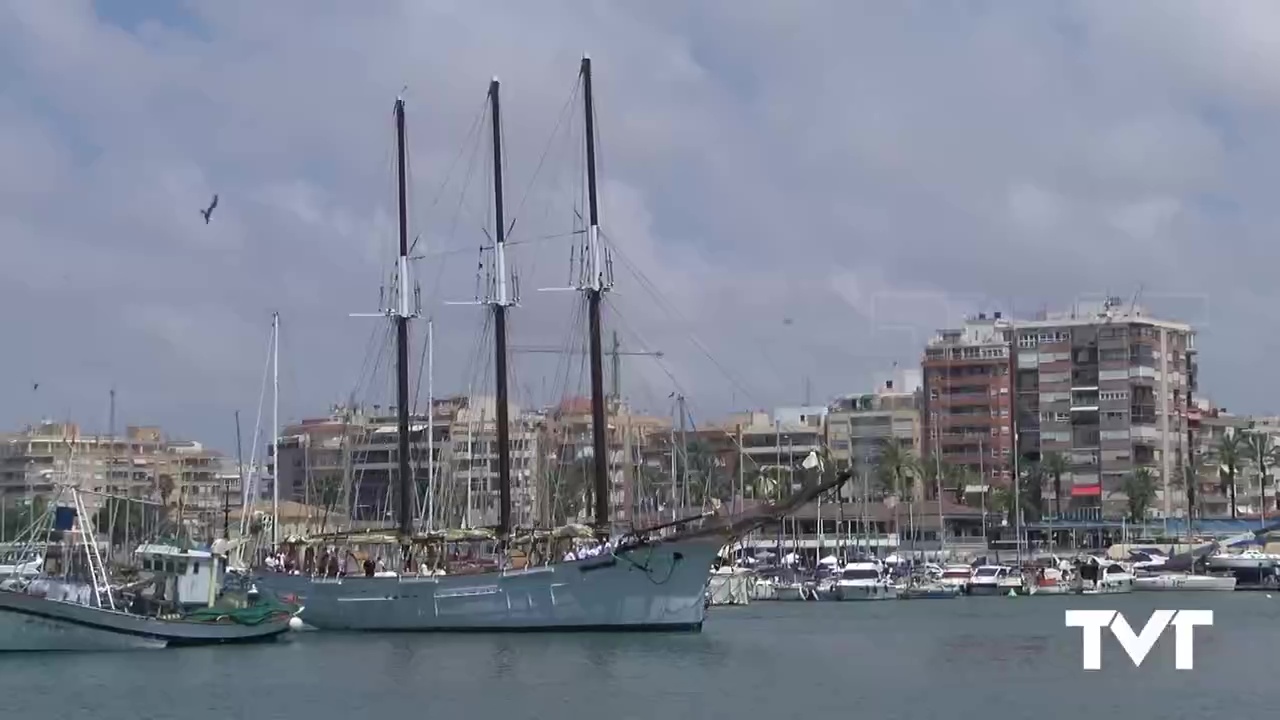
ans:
x=596 y=284
x=402 y=313
x=500 y=304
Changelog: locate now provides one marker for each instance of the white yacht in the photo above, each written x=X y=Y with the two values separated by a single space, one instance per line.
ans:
x=1184 y=582
x=1251 y=559
x=1147 y=559
x=1050 y=580
x=994 y=580
x=1100 y=576
x=864 y=581
x=956 y=576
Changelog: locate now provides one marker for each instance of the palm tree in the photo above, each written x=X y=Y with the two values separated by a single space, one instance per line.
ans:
x=960 y=477
x=1001 y=502
x=1055 y=465
x=1031 y=489
x=1262 y=450
x=571 y=491
x=1231 y=454
x=1184 y=479
x=897 y=469
x=1139 y=488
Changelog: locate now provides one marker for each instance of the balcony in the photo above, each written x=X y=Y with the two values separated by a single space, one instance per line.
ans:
x=1084 y=400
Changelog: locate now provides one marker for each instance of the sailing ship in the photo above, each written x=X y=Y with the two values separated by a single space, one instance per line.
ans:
x=652 y=579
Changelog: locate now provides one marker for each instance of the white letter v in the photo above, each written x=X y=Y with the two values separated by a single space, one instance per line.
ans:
x=1138 y=646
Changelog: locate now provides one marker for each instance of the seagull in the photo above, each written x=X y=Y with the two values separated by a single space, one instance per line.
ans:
x=212 y=205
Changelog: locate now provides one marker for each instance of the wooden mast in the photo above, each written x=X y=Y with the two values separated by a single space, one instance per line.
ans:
x=596 y=284
x=500 y=304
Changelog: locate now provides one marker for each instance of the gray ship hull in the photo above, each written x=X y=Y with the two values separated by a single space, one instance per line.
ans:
x=653 y=587
x=32 y=623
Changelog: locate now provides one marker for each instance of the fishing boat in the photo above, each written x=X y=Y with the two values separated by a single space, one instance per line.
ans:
x=649 y=579
x=71 y=605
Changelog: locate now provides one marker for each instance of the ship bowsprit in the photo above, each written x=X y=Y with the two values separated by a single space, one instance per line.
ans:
x=657 y=586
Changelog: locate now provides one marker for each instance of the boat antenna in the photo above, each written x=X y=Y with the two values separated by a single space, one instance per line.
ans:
x=499 y=305
x=596 y=284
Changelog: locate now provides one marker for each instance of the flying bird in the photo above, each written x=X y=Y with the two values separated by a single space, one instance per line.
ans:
x=35 y=386
x=212 y=205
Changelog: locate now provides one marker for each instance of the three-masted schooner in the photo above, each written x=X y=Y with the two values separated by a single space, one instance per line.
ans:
x=647 y=580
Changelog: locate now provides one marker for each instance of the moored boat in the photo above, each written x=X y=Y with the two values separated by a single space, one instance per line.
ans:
x=1100 y=576
x=957 y=576
x=864 y=581
x=1184 y=582
x=71 y=604
x=994 y=580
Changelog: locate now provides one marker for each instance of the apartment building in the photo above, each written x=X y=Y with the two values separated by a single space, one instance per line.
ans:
x=472 y=485
x=1210 y=425
x=635 y=442
x=349 y=460
x=859 y=426
x=778 y=442
x=967 y=402
x=1105 y=387
x=141 y=464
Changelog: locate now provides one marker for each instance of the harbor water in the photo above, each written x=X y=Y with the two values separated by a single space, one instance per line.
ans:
x=886 y=660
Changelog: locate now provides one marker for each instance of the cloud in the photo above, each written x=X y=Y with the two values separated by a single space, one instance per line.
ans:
x=794 y=194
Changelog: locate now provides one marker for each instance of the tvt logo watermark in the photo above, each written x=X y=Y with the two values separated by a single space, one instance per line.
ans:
x=1138 y=645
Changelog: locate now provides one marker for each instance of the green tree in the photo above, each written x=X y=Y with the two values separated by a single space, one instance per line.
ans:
x=707 y=479
x=957 y=479
x=1139 y=488
x=1031 y=490
x=1263 y=453
x=121 y=519
x=897 y=470
x=328 y=490
x=571 y=491
x=1001 y=503
x=1055 y=465
x=1231 y=454
x=21 y=515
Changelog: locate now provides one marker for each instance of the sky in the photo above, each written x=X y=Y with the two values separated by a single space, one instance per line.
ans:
x=798 y=194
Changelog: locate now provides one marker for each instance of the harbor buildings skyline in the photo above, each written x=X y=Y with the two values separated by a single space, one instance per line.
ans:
x=1109 y=389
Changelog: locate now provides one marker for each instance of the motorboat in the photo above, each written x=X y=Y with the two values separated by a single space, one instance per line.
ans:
x=956 y=576
x=864 y=581
x=29 y=567
x=1184 y=582
x=1251 y=559
x=1101 y=576
x=994 y=580
x=1049 y=580
x=1147 y=559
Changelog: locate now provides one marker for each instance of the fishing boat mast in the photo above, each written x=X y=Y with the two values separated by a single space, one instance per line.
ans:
x=596 y=283
x=500 y=303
